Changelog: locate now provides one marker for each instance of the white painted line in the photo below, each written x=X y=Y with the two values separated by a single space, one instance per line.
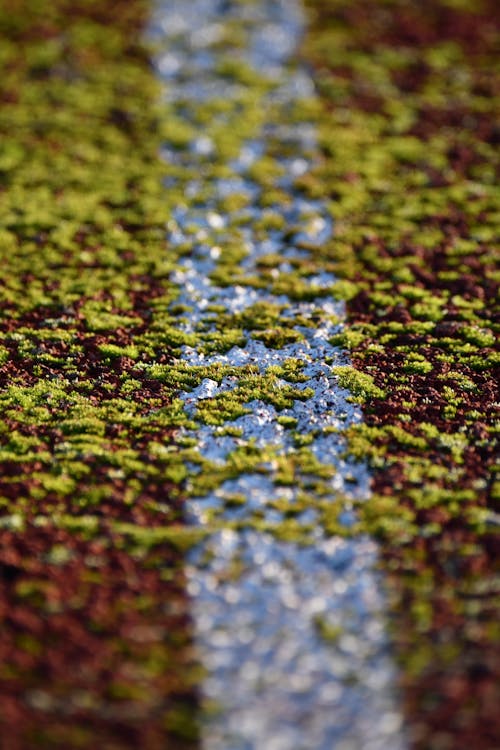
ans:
x=293 y=637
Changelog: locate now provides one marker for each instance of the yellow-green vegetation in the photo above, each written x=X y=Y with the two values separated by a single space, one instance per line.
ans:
x=91 y=333
x=84 y=266
x=92 y=483
x=416 y=210
x=91 y=538
x=410 y=94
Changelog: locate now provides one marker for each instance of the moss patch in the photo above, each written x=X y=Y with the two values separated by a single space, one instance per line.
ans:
x=95 y=625
x=410 y=93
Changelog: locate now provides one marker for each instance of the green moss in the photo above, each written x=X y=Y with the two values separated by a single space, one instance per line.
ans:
x=409 y=175
x=277 y=338
x=416 y=364
x=359 y=383
x=326 y=631
x=85 y=267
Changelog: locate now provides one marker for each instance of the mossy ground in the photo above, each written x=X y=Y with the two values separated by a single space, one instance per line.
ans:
x=91 y=522
x=410 y=95
x=95 y=648
x=91 y=486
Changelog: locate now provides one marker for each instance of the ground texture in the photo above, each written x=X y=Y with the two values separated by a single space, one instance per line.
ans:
x=411 y=92
x=95 y=632
x=91 y=530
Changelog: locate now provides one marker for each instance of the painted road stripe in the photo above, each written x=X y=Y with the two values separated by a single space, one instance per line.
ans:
x=290 y=625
